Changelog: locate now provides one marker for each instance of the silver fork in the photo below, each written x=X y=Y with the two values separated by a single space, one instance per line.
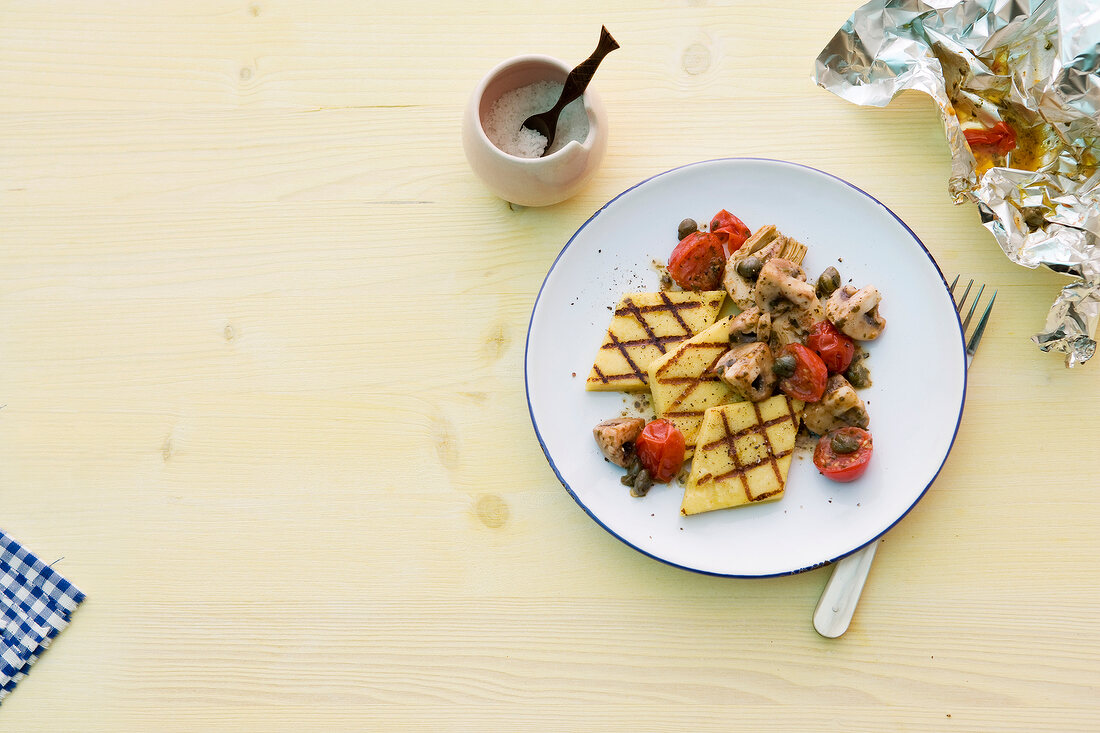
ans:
x=838 y=601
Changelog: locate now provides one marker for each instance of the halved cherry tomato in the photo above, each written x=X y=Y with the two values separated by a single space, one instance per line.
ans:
x=660 y=448
x=834 y=348
x=735 y=231
x=844 y=466
x=1000 y=138
x=698 y=262
x=808 y=381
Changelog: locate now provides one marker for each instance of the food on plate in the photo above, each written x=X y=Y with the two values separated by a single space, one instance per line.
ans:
x=749 y=268
x=750 y=325
x=734 y=230
x=683 y=381
x=827 y=282
x=637 y=478
x=802 y=373
x=855 y=312
x=838 y=407
x=660 y=450
x=616 y=438
x=857 y=373
x=843 y=454
x=645 y=326
x=743 y=454
x=698 y=261
x=731 y=393
x=687 y=226
x=782 y=284
x=834 y=348
x=745 y=265
x=747 y=369
x=655 y=453
x=783 y=293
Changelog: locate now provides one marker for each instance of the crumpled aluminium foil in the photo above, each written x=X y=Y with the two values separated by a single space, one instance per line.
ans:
x=1034 y=65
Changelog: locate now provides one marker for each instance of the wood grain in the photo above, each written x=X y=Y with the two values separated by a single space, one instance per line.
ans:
x=261 y=355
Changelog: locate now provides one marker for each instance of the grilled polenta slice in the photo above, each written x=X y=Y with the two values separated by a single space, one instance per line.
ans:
x=643 y=327
x=684 y=384
x=742 y=454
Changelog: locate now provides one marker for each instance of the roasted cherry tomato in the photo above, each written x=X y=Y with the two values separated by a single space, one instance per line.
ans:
x=851 y=461
x=698 y=262
x=660 y=448
x=834 y=348
x=735 y=231
x=808 y=381
x=1000 y=138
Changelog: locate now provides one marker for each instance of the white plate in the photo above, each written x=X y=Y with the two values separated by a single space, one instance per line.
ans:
x=918 y=366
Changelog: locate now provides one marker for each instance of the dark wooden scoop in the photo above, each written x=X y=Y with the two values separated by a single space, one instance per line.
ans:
x=546 y=123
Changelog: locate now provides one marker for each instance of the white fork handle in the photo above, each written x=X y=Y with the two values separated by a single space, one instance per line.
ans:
x=838 y=601
x=841 y=595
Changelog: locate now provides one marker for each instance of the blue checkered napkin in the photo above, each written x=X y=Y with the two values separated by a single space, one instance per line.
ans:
x=35 y=605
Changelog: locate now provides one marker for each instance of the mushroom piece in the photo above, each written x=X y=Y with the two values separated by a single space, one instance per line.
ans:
x=750 y=325
x=783 y=282
x=839 y=407
x=747 y=369
x=792 y=325
x=855 y=312
x=782 y=291
x=765 y=243
x=616 y=437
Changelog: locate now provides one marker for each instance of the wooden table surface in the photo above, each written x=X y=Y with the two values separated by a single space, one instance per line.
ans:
x=262 y=375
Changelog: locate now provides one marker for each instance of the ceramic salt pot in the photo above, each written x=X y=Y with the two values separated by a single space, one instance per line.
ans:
x=531 y=181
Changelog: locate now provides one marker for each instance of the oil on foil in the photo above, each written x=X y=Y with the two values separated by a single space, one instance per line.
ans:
x=1018 y=88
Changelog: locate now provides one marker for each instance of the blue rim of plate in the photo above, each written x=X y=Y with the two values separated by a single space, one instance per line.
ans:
x=581 y=504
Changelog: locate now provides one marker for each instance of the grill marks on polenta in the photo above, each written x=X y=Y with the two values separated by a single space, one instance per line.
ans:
x=644 y=326
x=684 y=384
x=729 y=440
x=742 y=454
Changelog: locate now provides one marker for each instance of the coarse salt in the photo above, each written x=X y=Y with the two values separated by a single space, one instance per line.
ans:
x=504 y=122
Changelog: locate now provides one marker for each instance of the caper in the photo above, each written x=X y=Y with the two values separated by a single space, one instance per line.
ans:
x=785 y=365
x=858 y=375
x=687 y=226
x=844 y=443
x=642 y=484
x=632 y=469
x=749 y=268
x=828 y=282
x=856 y=417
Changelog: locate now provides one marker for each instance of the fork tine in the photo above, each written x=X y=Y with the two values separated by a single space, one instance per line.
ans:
x=972 y=344
x=977 y=299
x=954 y=282
x=962 y=301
